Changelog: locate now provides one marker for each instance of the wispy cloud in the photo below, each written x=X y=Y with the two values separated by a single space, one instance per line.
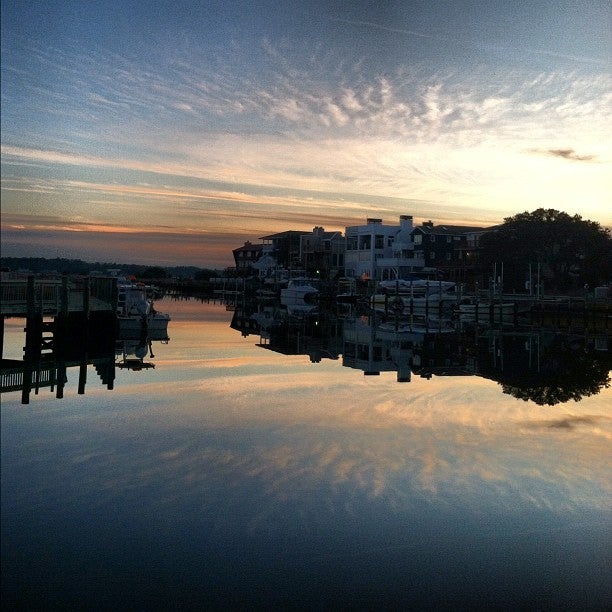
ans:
x=569 y=154
x=568 y=422
x=297 y=138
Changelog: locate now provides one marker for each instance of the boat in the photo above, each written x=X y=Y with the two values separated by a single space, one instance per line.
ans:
x=132 y=349
x=135 y=310
x=422 y=304
x=299 y=290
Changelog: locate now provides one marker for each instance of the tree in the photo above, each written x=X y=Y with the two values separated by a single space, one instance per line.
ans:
x=153 y=273
x=204 y=275
x=568 y=251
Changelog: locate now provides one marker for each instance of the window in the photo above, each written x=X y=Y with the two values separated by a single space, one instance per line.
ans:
x=448 y=239
x=379 y=242
x=365 y=242
x=432 y=238
x=432 y=254
x=418 y=238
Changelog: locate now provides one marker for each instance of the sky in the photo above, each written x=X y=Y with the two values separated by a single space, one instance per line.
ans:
x=169 y=133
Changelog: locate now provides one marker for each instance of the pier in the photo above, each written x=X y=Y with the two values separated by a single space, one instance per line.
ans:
x=44 y=297
x=67 y=324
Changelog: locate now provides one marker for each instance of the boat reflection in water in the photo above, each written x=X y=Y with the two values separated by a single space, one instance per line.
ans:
x=545 y=365
x=132 y=348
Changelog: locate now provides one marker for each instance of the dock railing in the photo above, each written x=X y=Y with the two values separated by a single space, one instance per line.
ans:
x=25 y=297
x=17 y=296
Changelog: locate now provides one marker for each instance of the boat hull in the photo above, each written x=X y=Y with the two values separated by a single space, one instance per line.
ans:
x=157 y=322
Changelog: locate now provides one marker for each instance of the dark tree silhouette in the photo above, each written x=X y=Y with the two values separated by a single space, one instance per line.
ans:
x=570 y=251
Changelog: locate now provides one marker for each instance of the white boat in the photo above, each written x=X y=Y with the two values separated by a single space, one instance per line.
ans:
x=299 y=290
x=135 y=311
x=403 y=304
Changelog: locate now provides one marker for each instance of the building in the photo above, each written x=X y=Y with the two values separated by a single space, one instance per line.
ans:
x=247 y=255
x=375 y=251
x=284 y=247
x=322 y=253
x=451 y=249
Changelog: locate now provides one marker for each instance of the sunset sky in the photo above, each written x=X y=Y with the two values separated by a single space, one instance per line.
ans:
x=171 y=132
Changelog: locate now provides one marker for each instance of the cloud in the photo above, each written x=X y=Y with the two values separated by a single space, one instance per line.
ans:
x=569 y=154
x=568 y=422
x=297 y=139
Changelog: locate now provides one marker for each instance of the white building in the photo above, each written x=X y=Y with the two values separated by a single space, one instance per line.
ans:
x=381 y=252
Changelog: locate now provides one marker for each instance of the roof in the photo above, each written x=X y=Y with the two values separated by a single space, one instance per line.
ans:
x=248 y=247
x=327 y=235
x=452 y=230
x=287 y=234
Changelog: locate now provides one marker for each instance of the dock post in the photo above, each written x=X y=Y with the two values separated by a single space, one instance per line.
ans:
x=61 y=379
x=82 y=375
x=84 y=354
x=64 y=296
x=86 y=296
x=30 y=297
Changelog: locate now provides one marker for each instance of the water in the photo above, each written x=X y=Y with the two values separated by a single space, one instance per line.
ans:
x=234 y=476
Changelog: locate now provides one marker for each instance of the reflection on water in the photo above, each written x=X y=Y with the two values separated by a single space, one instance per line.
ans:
x=257 y=465
x=77 y=345
x=546 y=366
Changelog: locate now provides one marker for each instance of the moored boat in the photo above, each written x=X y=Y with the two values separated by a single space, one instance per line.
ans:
x=299 y=290
x=135 y=310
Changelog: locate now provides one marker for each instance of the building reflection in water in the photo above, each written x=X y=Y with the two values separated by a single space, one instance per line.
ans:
x=541 y=364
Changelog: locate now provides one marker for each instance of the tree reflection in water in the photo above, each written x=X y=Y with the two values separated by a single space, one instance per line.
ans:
x=568 y=370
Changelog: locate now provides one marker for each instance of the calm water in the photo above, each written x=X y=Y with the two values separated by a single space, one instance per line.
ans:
x=235 y=475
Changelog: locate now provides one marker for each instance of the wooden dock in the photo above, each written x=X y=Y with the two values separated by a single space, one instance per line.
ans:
x=43 y=297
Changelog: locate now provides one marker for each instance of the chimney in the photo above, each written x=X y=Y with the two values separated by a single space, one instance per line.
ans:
x=428 y=224
x=372 y=221
x=406 y=222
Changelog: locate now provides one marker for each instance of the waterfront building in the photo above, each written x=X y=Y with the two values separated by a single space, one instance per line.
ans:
x=376 y=251
x=247 y=255
x=451 y=249
x=284 y=247
x=322 y=253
